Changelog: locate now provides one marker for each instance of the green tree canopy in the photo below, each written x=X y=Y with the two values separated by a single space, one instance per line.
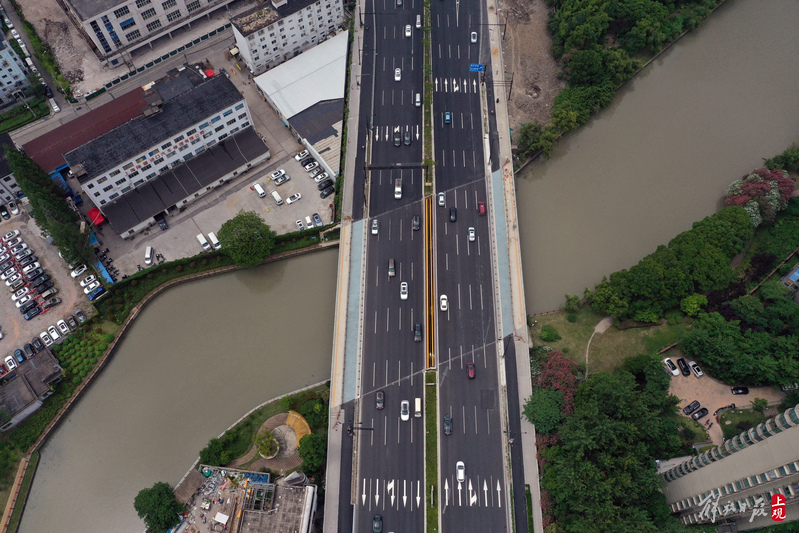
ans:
x=247 y=239
x=313 y=452
x=158 y=508
x=544 y=408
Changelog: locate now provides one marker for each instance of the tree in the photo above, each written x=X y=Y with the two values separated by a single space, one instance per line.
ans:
x=691 y=305
x=762 y=193
x=544 y=409
x=247 y=239
x=759 y=404
x=528 y=138
x=549 y=334
x=266 y=443
x=313 y=452
x=572 y=304
x=158 y=508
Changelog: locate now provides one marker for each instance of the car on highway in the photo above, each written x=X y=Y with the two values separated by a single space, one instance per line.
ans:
x=740 y=390
x=380 y=400
x=460 y=472
x=78 y=271
x=317 y=220
x=416 y=222
x=325 y=184
x=90 y=287
x=397 y=138
x=80 y=315
x=406 y=139
x=404 y=290
x=302 y=154
x=277 y=173
x=10 y=235
x=327 y=192
x=447 y=117
x=375 y=226
x=417 y=332
x=695 y=369
x=322 y=176
x=46 y=338
x=377 y=524
x=472 y=234
x=443 y=302
x=683 y=367
x=473 y=37
x=311 y=166
x=38 y=345
x=88 y=280
x=53 y=332
x=471 y=370
x=281 y=180
x=62 y=327
x=441 y=199
x=293 y=198
x=699 y=414
x=453 y=214
x=397 y=74
x=52 y=302
x=408 y=30
x=300 y=225
x=691 y=407
x=481 y=209
x=405 y=410
x=447 y=425
x=671 y=367
x=20 y=293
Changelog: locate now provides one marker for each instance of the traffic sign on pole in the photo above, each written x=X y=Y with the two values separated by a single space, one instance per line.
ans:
x=476 y=67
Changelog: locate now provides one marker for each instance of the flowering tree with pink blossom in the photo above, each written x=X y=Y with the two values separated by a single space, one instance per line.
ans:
x=762 y=193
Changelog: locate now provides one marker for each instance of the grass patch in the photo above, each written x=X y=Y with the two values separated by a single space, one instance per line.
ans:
x=574 y=335
x=731 y=419
x=16 y=513
x=431 y=449
x=20 y=115
x=529 y=498
x=691 y=430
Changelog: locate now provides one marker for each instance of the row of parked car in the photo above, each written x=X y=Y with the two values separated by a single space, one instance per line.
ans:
x=685 y=368
x=325 y=183
x=30 y=286
x=7 y=211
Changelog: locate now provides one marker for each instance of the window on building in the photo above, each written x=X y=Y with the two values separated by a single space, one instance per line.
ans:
x=223 y=136
x=178 y=139
x=90 y=186
x=104 y=179
x=128 y=24
x=158 y=161
x=234 y=130
x=126 y=167
x=175 y=15
x=191 y=132
x=132 y=36
x=195 y=141
x=120 y=182
x=113 y=196
x=244 y=125
x=108 y=188
x=150 y=13
x=126 y=189
x=121 y=12
x=154 y=25
x=114 y=173
x=216 y=119
x=230 y=122
x=193 y=6
x=208 y=134
x=243 y=115
x=141 y=3
x=96 y=194
x=228 y=112
x=133 y=174
x=138 y=182
x=169 y=4
x=146 y=167
x=183 y=147
x=171 y=154
x=167 y=145
x=219 y=128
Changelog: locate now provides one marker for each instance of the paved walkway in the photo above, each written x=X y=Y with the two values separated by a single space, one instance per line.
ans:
x=289 y=457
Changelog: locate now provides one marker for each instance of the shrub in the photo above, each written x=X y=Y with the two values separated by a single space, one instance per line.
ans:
x=571 y=317
x=549 y=334
x=266 y=443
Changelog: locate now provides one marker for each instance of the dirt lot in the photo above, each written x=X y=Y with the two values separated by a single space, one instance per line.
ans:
x=17 y=331
x=528 y=58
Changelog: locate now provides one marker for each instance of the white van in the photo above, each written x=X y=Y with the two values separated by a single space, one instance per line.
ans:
x=214 y=241
x=418 y=412
x=398 y=188
x=278 y=199
x=204 y=242
x=260 y=190
x=54 y=105
x=308 y=223
x=418 y=100
x=148 y=255
x=418 y=22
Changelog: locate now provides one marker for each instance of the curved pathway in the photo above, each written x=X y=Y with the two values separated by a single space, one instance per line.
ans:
x=287 y=459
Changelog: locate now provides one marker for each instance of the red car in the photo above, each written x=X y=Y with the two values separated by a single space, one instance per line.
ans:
x=470 y=370
x=481 y=209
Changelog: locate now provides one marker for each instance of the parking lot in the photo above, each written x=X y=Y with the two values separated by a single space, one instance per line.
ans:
x=16 y=330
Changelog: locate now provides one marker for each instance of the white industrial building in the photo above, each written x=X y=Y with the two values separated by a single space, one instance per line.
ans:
x=13 y=73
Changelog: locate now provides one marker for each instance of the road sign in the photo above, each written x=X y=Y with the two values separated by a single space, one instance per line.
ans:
x=476 y=67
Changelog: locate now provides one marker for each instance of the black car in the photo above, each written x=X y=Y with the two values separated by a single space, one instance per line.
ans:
x=683 y=367
x=27 y=306
x=52 y=302
x=29 y=351
x=71 y=322
x=40 y=280
x=80 y=316
x=397 y=139
x=48 y=91
x=307 y=161
x=162 y=222
x=740 y=390
x=447 y=425
x=699 y=414
x=453 y=215
x=417 y=333
x=417 y=222
x=44 y=286
x=380 y=400
x=32 y=313
x=325 y=184
x=407 y=138
x=5 y=266
x=25 y=261
x=37 y=344
x=377 y=524
x=35 y=273
x=691 y=407
x=327 y=192
x=4 y=212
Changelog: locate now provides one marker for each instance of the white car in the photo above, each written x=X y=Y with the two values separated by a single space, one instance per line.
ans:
x=321 y=177
x=300 y=225
x=20 y=293
x=10 y=363
x=407 y=30
x=13 y=279
x=8 y=273
x=62 y=326
x=32 y=266
x=88 y=280
x=18 y=248
x=404 y=290
x=374 y=227
x=397 y=74
x=405 y=410
x=13 y=208
x=89 y=288
x=53 y=333
x=310 y=166
x=460 y=472
x=293 y=198
x=15 y=33
x=443 y=302
x=277 y=173
x=473 y=37
x=46 y=339
x=10 y=235
x=78 y=271
x=695 y=368
x=301 y=155
x=471 y=234
x=281 y=180
x=441 y=199
x=23 y=254
x=671 y=367
x=25 y=299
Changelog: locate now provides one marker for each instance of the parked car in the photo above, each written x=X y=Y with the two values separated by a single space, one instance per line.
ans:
x=277 y=173
x=327 y=192
x=300 y=225
x=380 y=400
x=47 y=293
x=10 y=235
x=71 y=322
x=14 y=241
x=16 y=285
x=38 y=345
x=20 y=355
x=79 y=270
x=315 y=172
x=471 y=370
x=23 y=254
x=96 y=293
x=25 y=261
x=44 y=287
x=88 y=280
x=447 y=425
x=10 y=363
x=443 y=302
x=32 y=313
x=18 y=248
x=81 y=316
x=7 y=273
x=14 y=278
x=691 y=407
x=302 y=154
x=91 y=286
x=311 y=166
x=671 y=368
x=695 y=369
x=40 y=281
x=29 y=351
x=12 y=206
x=27 y=306
x=317 y=220
x=46 y=338
x=31 y=267
x=62 y=327
x=33 y=274
x=699 y=414
x=53 y=332
x=683 y=367
x=405 y=410
x=740 y=390
x=325 y=184
x=307 y=161
x=294 y=198
x=20 y=293
x=52 y=302
x=404 y=290
x=25 y=299
x=281 y=180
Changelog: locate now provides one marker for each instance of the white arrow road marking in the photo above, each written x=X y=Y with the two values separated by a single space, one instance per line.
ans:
x=499 y=492
x=455 y=87
x=377 y=494
x=404 y=493
x=377 y=134
x=485 y=491
x=465 y=86
x=472 y=495
x=459 y=494
x=388 y=134
x=390 y=489
x=418 y=493
x=363 y=496
x=436 y=84
x=446 y=84
x=446 y=492
x=417 y=132
x=474 y=83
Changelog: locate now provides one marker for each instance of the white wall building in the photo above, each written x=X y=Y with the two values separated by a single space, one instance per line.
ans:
x=13 y=73
x=273 y=33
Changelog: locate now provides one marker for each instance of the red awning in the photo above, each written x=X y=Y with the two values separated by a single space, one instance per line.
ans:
x=95 y=216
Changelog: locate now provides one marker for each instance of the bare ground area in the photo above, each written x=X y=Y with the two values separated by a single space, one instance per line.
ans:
x=528 y=57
